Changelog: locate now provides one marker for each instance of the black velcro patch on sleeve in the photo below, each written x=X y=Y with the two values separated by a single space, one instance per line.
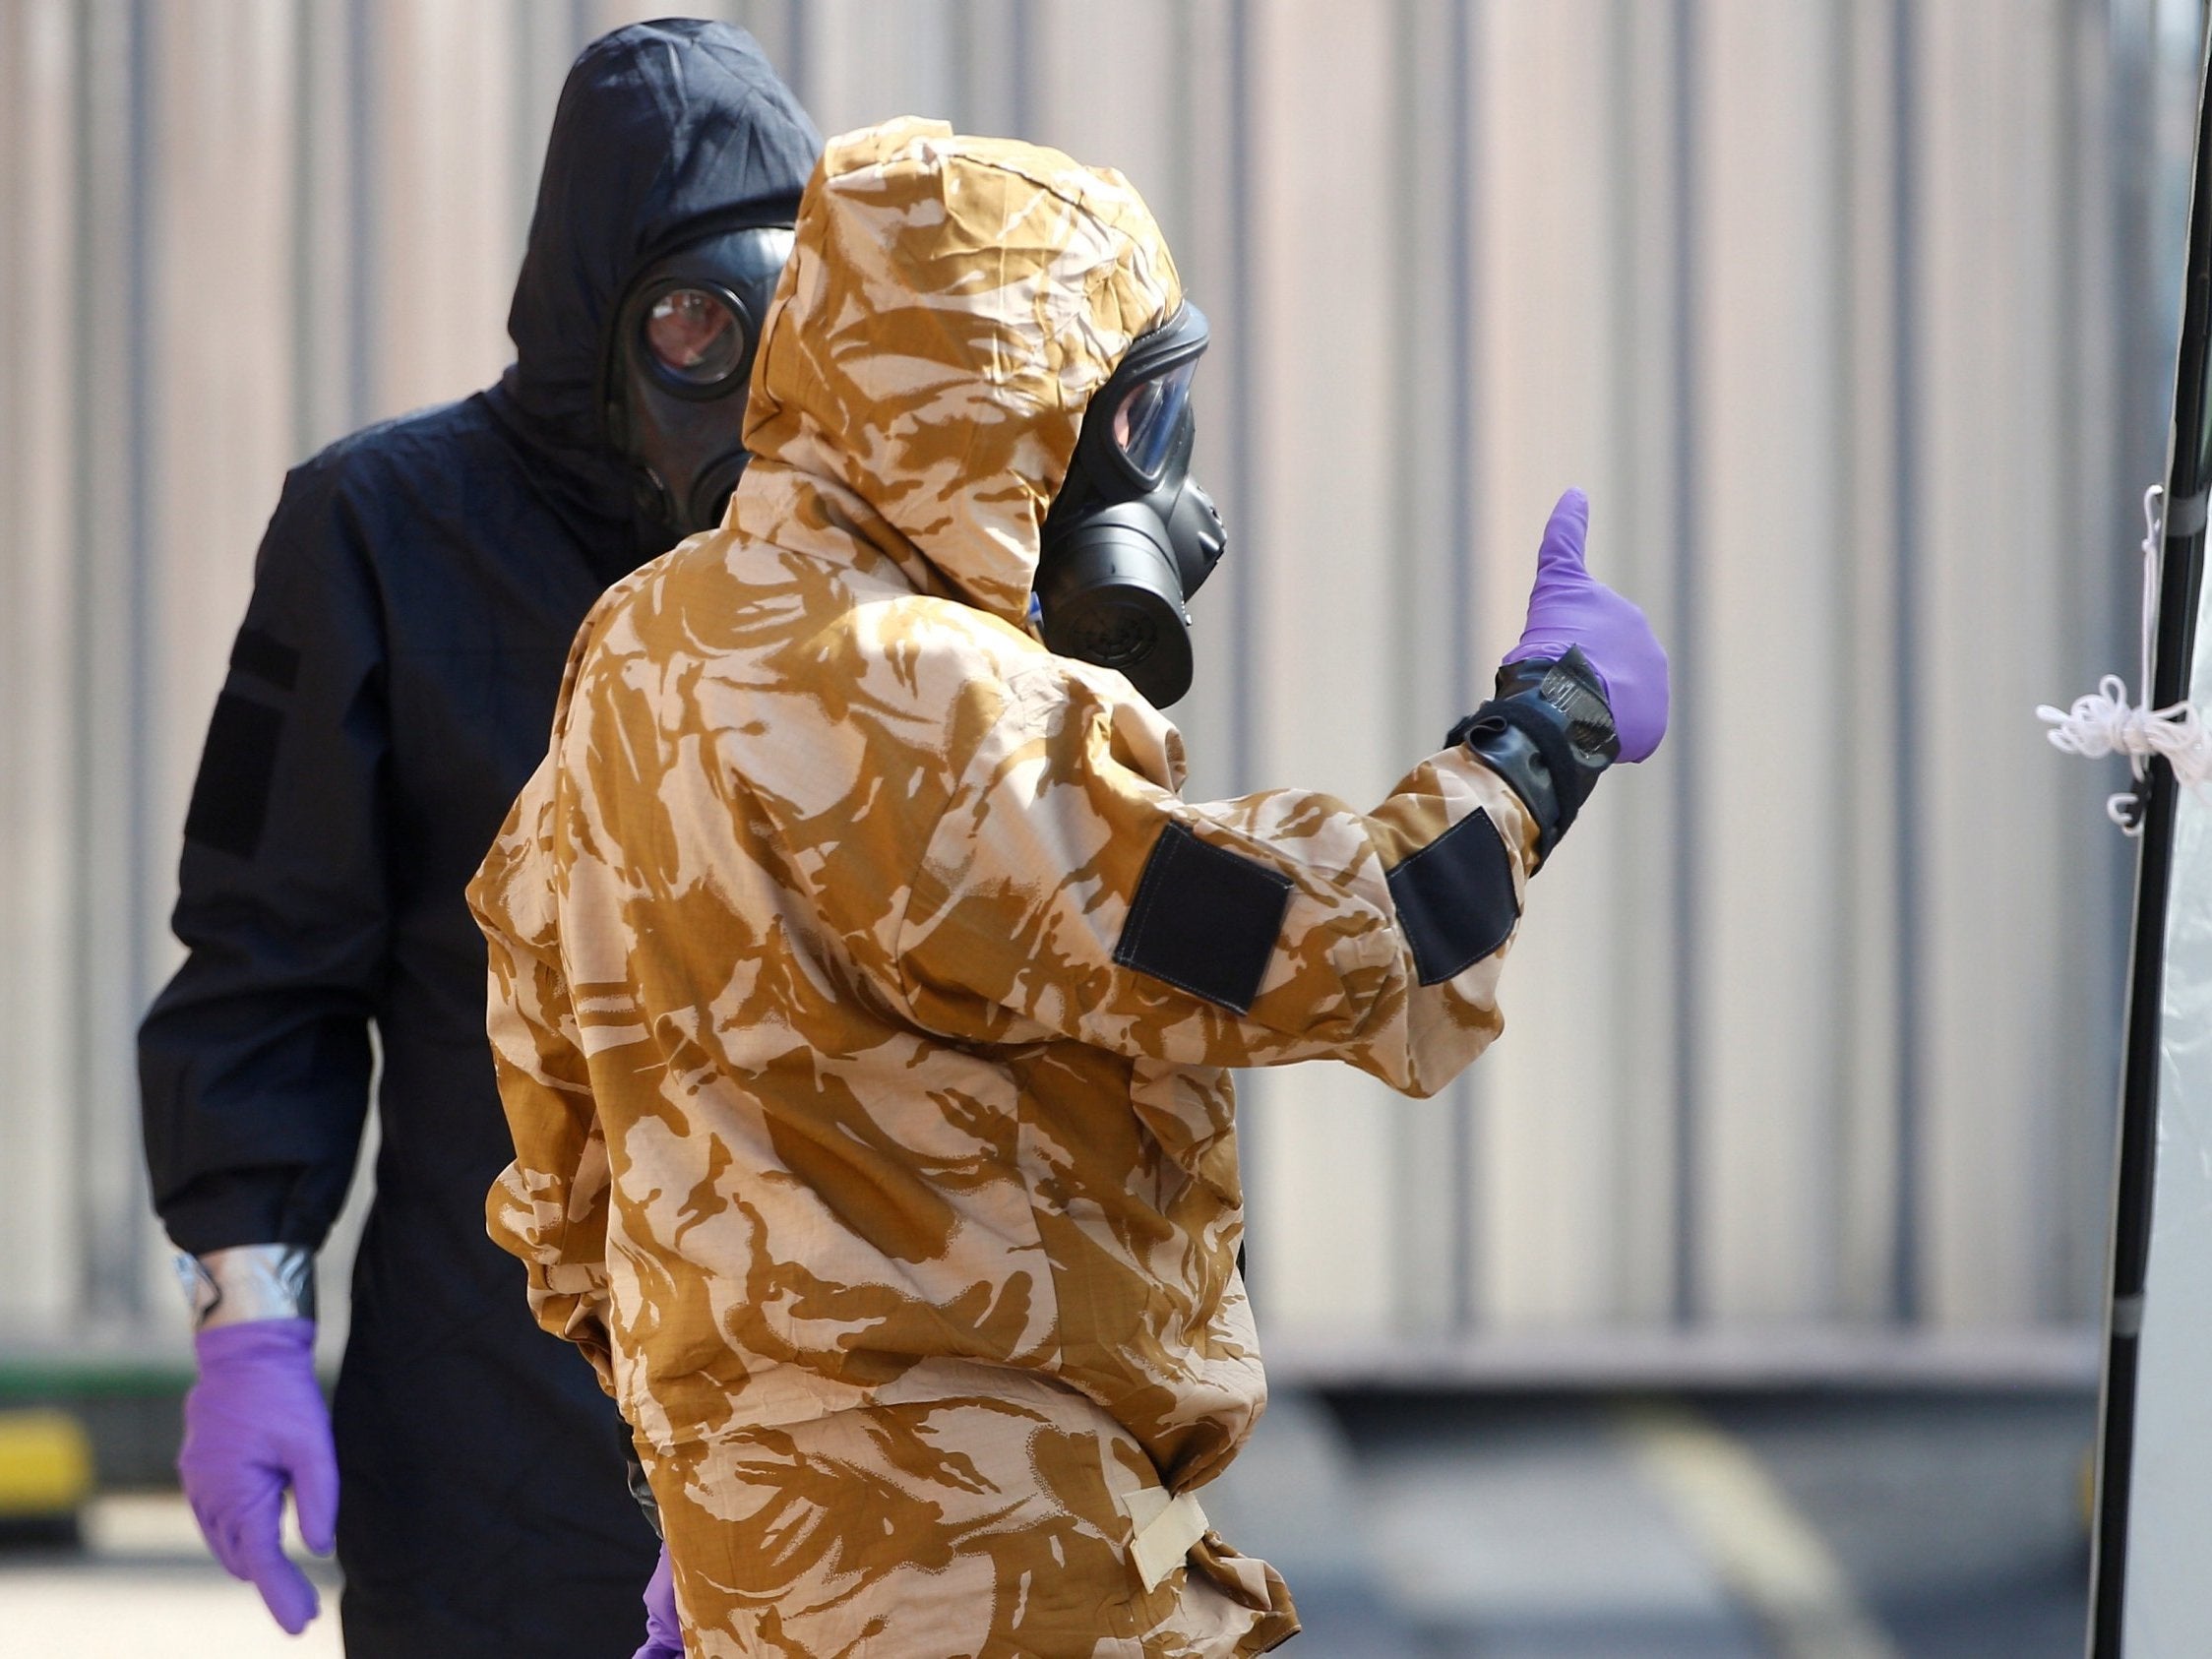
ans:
x=1455 y=898
x=1205 y=919
x=231 y=798
x=266 y=657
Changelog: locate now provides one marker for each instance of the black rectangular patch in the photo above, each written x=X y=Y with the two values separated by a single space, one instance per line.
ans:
x=1455 y=898
x=266 y=657
x=1205 y=919
x=239 y=768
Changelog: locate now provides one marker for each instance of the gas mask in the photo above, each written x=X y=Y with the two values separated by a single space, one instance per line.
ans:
x=678 y=365
x=1131 y=536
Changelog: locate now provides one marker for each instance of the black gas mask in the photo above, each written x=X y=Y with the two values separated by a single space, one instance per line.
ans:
x=1131 y=536
x=678 y=364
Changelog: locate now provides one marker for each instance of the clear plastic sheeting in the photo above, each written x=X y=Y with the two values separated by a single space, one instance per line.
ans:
x=2169 y=1593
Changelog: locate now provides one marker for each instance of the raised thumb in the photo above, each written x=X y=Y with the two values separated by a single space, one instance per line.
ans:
x=1563 y=536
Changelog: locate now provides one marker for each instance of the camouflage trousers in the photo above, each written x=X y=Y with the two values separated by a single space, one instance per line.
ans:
x=977 y=1527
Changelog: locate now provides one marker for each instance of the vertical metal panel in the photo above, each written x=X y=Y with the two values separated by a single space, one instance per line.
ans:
x=443 y=86
x=215 y=384
x=1550 y=1143
x=1205 y=215
x=992 y=52
x=1997 y=964
x=598 y=17
x=1639 y=547
x=1431 y=166
x=1772 y=820
x=41 y=1227
x=2100 y=525
x=1322 y=419
x=221 y=348
x=1099 y=94
x=329 y=240
x=1685 y=1001
x=109 y=633
x=1868 y=1139
x=1214 y=73
x=218 y=388
x=865 y=63
x=545 y=42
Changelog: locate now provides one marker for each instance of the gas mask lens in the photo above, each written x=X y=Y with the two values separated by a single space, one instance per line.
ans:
x=695 y=335
x=1145 y=421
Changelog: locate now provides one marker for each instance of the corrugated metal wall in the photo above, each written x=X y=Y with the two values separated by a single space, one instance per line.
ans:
x=1851 y=314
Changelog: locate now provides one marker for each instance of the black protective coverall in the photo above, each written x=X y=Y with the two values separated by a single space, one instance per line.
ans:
x=388 y=695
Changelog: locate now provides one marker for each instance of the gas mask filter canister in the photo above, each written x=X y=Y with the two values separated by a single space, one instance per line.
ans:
x=1130 y=536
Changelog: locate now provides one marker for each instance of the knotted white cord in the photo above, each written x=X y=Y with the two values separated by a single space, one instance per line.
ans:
x=2106 y=723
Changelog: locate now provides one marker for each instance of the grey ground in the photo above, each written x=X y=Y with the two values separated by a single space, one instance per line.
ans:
x=1512 y=1528
x=1812 y=1525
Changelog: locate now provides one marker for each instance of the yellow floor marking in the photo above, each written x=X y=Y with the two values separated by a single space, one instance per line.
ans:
x=1765 y=1551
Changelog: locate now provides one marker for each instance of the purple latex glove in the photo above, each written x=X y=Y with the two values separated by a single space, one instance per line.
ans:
x=1571 y=608
x=253 y=1424
x=664 y=1633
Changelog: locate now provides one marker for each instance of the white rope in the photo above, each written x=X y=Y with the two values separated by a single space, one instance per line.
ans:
x=2104 y=722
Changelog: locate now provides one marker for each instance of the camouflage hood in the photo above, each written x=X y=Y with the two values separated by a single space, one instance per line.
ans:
x=950 y=308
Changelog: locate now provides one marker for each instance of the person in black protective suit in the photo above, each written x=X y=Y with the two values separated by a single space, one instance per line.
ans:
x=388 y=693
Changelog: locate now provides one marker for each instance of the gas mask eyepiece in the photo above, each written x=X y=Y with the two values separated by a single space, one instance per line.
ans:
x=681 y=361
x=1130 y=536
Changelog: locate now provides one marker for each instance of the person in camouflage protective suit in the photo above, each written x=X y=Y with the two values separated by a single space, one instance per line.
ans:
x=873 y=1138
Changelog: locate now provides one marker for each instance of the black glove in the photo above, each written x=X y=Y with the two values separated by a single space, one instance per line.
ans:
x=1549 y=733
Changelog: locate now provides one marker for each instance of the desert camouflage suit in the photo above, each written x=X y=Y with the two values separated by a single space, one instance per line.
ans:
x=899 y=1216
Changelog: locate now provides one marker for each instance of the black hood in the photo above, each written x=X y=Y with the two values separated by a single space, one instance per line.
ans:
x=664 y=131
